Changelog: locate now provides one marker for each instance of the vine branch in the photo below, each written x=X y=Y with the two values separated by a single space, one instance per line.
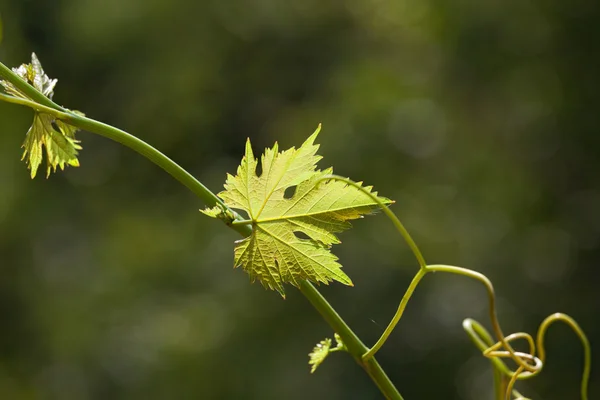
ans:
x=41 y=103
x=528 y=365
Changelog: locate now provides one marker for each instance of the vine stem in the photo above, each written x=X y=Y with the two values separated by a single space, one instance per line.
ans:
x=483 y=340
x=41 y=103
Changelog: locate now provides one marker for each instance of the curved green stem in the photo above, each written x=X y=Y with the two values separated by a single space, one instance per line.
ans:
x=242 y=222
x=483 y=340
x=411 y=244
x=499 y=384
x=44 y=104
x=399 y=226
x=27 y=89
x=353 y=344
x=36 y=106
x=158 y=158
x=396 y=318
x=528 y=368
x=528 y=364
x=587 y=362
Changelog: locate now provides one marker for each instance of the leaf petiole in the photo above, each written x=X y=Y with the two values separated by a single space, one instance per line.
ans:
x=242 y=222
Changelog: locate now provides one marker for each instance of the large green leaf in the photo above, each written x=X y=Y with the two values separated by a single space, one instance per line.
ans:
x=276 y=253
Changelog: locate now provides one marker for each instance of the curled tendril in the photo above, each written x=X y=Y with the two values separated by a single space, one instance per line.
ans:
x=528 y=365
x=483 y=341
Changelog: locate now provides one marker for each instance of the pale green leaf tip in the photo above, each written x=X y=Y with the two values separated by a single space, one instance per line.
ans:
x=311 y=138
x=249 y=152
x=278 y=287
x=338 y=341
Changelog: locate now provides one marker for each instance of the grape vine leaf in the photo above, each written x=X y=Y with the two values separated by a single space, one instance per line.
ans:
x=322 y=350
x=276 y=253
x=319 y=354
x=56 y=136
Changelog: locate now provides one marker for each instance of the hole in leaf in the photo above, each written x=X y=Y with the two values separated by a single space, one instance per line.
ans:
x=302 y=235
x=289 y=192
x=55 y=126
x=243 y=214
x=259 y=170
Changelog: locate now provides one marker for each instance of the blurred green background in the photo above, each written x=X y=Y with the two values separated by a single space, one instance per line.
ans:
x=479 y=118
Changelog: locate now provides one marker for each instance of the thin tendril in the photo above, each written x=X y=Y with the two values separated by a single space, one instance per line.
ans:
x=399 y=226
x=529 y=368
x=414 y=248
x=424 y=268
x=511 y=383
x=482 y=340
x=587 y=363
x=528 y=364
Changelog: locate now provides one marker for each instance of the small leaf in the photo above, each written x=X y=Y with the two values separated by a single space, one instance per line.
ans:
x=61 y=148
x=276 y=252
x=219 y=212
x=56 y=136
x=214 y=212
x=319 y=354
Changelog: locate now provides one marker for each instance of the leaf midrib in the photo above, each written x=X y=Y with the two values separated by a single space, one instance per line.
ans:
x=330 y=210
